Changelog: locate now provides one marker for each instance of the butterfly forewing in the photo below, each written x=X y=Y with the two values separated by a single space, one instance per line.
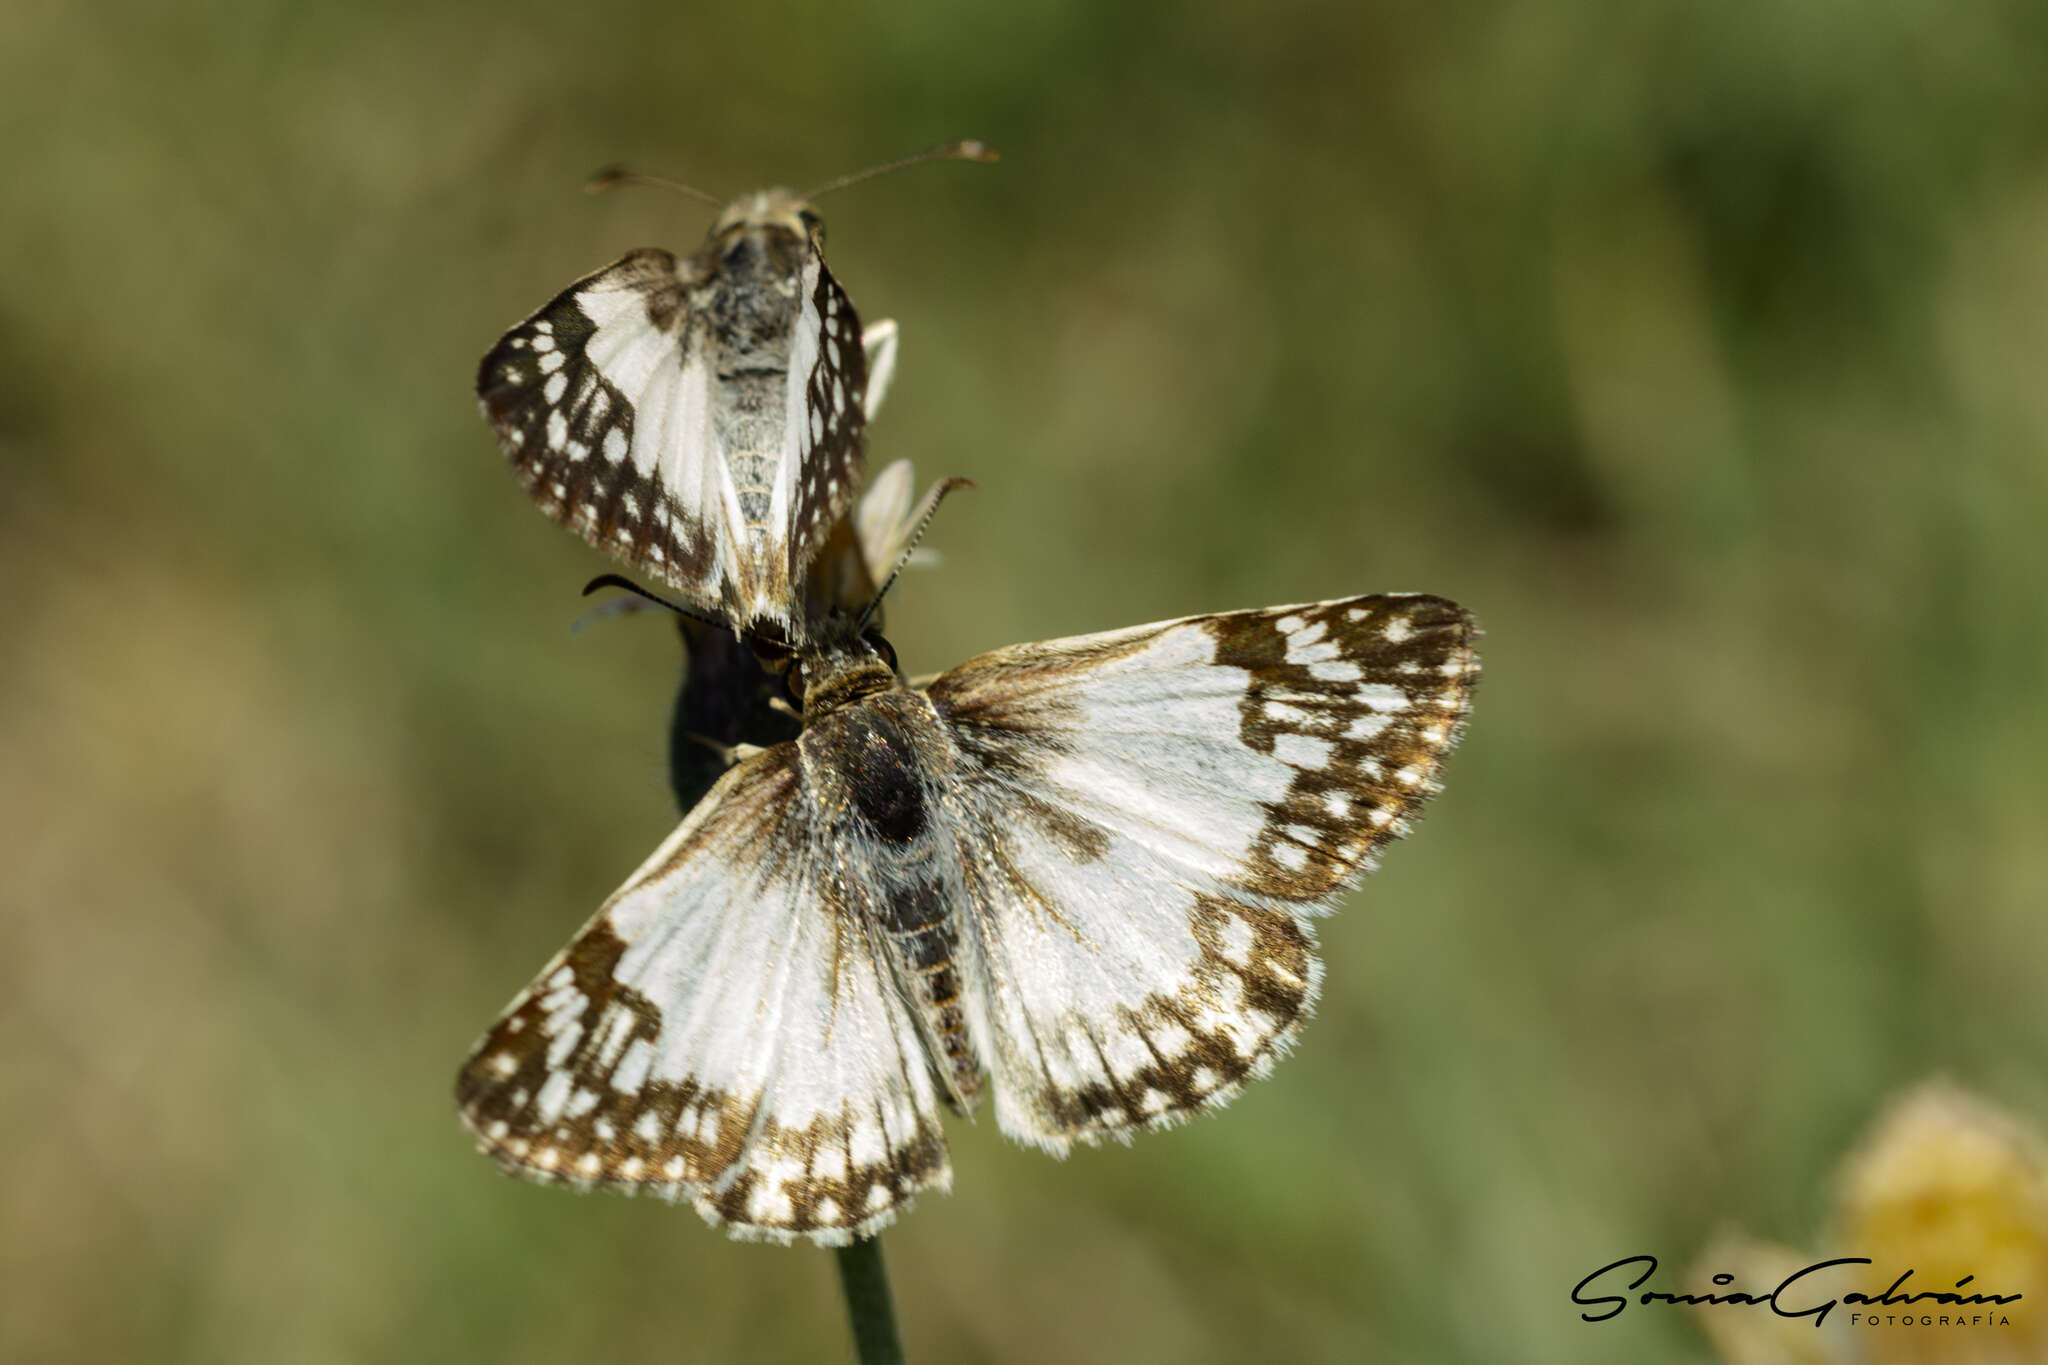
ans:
x=1156 y=813
x=723 y=1033
x=702 y=421
x=826 y=436
x=587 y=394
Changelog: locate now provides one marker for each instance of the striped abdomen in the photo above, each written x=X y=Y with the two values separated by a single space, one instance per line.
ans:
x=904 y=872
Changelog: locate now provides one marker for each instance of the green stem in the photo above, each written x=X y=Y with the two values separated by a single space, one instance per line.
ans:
x=865 y=1280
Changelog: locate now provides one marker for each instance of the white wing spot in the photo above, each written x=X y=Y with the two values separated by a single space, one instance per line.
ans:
x=1170 y=1040
x=1368 y=726
x=553 y=1096
x=1236 y=940
x=1126 y=1054
x=865 y=1146
x=1303 y=751
x=1396 y=630
x=1382 y=697
x=557 y=385
x=1284 y=713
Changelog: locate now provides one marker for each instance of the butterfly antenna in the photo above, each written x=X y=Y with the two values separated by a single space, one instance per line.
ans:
x=606 y=610
x=924 y=519
x=611 y=177
x=966 y=149
x=612 y=580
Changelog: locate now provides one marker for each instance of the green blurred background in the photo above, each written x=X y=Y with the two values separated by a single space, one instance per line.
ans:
x=1698 y=348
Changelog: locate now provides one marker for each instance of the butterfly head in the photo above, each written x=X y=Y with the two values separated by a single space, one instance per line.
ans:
x=841 y=662
x=770 y=225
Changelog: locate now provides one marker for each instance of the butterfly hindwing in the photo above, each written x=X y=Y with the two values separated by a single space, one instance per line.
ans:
x=1155 y=815
x=722 y=1033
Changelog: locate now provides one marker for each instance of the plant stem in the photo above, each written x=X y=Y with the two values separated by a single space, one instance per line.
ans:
x=865 y=1280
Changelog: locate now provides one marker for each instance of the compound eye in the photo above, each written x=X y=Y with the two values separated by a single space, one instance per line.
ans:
x=882 y=647
x=794 y=680
x=814 y=225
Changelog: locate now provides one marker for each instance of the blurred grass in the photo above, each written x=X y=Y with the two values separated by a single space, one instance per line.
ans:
x=1698 y=348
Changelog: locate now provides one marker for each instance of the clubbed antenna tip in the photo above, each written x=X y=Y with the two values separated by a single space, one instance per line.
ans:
x=965 y=149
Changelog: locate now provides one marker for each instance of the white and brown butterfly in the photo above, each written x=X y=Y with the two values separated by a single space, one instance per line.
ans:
x=1077 y=879
x=701 y=419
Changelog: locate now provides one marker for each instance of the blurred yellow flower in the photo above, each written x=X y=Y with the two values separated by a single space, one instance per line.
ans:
x=1946 y=1186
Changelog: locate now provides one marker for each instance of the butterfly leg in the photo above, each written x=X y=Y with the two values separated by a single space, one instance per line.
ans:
x=728 y=754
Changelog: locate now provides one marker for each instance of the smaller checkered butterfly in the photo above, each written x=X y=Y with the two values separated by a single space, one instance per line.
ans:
x=701 y=419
